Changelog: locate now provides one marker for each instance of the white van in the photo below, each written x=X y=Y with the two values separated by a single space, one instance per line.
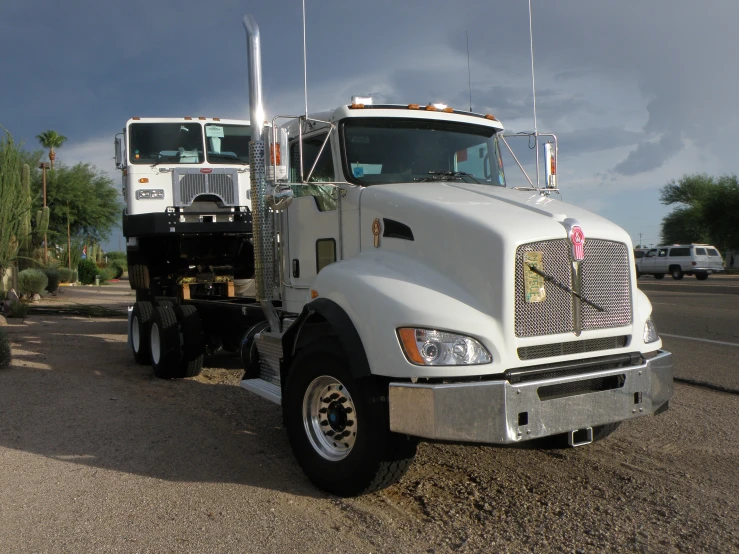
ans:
x=681 y=259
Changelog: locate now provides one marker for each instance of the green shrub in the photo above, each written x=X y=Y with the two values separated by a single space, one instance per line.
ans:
x=75 y=276
x=4 y=349
x=19 y=309
x=117 y=268
x=54 y=276
x=106 y=273
x=87 y=271
x=32 y=281
x=65 y=275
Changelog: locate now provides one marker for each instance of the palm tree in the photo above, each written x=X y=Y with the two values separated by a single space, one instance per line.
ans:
x=51 y=139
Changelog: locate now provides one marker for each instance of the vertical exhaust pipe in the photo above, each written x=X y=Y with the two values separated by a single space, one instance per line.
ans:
x=262 y=220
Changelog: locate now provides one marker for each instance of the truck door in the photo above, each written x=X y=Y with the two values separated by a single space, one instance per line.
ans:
x=661 y=263
x=647 y=263
x=312 y=218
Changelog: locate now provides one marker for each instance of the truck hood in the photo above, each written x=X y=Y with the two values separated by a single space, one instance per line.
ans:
x=469 y=233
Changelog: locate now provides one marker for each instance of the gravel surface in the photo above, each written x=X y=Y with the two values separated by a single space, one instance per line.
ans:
x=99 y=456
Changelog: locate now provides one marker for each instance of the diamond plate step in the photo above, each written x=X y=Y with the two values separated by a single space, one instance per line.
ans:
x=270 y=391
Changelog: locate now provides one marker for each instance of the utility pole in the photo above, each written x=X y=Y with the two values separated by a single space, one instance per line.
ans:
x=640 y=240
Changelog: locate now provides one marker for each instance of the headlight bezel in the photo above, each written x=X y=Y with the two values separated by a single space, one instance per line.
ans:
x=427 y=347
x=650 y=334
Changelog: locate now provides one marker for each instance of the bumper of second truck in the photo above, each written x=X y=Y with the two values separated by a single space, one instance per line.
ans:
x=499 y=412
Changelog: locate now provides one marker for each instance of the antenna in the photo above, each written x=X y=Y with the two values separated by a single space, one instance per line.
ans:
x=469 y=78
x=533 y=90
x=305 y=65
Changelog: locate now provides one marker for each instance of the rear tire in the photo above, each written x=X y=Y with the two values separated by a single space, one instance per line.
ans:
x=659 y=275
x=701 y=276
x=676 y=272
x=193 y=342
x=165 y=343
x=138 y=277
x=352 y=450
x=140 y=330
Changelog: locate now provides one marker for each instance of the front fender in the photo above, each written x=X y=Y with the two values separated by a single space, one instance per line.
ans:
x=382 y=291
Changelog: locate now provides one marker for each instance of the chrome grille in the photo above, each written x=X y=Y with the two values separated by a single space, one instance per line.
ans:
x=572 y=347
x=189 y=183
x=605 y=282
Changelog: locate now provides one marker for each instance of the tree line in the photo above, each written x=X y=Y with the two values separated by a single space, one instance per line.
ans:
x=81 y=201
x=706 y=210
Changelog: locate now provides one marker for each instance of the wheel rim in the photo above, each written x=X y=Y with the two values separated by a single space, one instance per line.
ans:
x=155 y=343
x=330 y=418
x=135 y=334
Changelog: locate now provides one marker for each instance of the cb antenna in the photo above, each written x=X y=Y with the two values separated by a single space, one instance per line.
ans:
x=533 y=90
x=305 y=66
x=469 y=78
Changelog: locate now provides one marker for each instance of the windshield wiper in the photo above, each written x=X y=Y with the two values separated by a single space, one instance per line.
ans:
x=564 y=287
x=446 y=175
x=227 y=157
x=164 y=159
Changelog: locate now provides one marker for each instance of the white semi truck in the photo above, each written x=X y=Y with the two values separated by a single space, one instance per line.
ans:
x=403 y=291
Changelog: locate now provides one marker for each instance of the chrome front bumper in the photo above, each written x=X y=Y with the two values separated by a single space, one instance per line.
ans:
x=500 y=412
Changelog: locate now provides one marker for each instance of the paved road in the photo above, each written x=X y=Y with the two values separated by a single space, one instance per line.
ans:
x=702 y=331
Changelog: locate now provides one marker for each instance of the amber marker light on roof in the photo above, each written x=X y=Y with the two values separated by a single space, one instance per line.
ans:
x=448 y=110
x=201 y=118
x=216 y=119
x=144 y=180
x=430 y=108
x=188 y=118
x=136 y=118
x=414 y=107
x=490 y=116
x=357 y=106
x=408 y=339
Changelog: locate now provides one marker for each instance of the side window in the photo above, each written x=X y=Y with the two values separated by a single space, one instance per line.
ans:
x=700 y=251
x=681 y=252
x=325 y=253
x=713 y=252
x=651 y=254
x=662 y=252
x=324 y=171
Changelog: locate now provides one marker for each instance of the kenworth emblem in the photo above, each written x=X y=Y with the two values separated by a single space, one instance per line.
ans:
x=577 y=238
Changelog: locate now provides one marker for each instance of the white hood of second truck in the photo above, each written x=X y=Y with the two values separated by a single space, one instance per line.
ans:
x=470 y=233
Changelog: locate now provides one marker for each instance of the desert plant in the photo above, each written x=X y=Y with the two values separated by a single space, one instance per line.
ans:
x=75 y=276
x=12 y=201
x=117 y=268
x=87 y=271
x=66 y=275
x=32 y=281
x=54 y=276
x=106 y=274
x=5 y=356
x=19 y=309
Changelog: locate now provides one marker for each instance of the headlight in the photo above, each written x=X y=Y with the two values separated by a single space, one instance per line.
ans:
x=650 y=331
x=432 y=347
x=142 y=194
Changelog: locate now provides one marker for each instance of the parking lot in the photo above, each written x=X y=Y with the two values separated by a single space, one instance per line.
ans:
x=99 y=456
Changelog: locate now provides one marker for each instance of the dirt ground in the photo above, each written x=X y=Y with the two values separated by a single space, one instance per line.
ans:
x=97 y=455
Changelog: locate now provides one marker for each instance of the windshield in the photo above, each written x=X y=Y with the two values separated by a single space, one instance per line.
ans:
x=152 y=143
x=385 y=150
x=227 y=143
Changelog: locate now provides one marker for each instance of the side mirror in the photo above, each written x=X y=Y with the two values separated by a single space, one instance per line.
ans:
x=279 y=197
x=119 y=159
x=550 y=165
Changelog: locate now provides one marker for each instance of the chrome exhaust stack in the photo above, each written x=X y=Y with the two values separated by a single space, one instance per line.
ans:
x=262 y=219
x=580 y=437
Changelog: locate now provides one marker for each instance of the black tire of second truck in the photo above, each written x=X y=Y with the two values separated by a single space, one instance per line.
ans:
x=193 y=346
x=338 y=426
x=701 y=276
x=166 y=351
x=659 y=275
x=138 y=277
x=140 y=331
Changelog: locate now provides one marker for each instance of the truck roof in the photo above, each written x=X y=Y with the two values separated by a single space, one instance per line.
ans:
x=187 y=119
x=405 y=111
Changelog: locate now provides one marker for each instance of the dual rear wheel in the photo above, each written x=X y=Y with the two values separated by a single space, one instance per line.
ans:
x=169 y=337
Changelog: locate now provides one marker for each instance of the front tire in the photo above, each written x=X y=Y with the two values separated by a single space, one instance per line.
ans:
x=677 y=273
x=338 y=426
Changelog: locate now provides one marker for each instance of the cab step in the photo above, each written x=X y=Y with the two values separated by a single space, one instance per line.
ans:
x=263 y=388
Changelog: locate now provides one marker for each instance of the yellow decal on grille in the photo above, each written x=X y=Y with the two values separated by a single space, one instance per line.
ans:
x=533 y=283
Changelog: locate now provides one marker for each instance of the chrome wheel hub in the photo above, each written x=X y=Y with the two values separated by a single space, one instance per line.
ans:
x=329 y=418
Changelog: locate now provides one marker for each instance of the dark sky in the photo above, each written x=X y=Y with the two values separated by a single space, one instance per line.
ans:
x=639 y=92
